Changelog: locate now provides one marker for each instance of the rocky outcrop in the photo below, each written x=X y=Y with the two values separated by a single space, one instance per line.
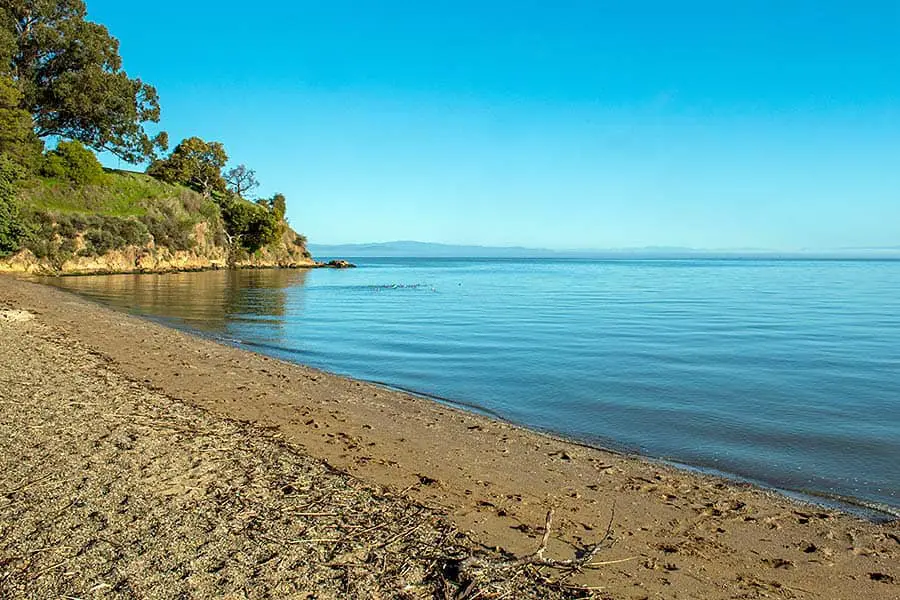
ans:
x=338 y=264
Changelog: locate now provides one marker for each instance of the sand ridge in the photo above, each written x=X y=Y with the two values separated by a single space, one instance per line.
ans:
x=677 y=534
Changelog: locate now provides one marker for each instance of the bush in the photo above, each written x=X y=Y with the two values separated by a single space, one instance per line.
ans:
x=72 y=161
x=98 y=242
x=168 y=229
x=53 y=236
x=54 y=167
x=44 y=242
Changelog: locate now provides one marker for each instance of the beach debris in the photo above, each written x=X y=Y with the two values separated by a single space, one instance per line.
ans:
x=482 y=574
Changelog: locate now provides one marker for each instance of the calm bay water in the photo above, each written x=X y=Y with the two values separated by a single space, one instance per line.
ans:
x=785 y=373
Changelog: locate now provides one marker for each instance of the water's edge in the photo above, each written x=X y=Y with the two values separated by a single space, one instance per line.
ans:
x=853 y=506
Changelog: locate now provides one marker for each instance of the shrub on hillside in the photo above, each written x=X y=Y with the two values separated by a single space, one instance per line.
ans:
x=73 y=162
x=168 y=227
x=105 y=234
x=53 y=236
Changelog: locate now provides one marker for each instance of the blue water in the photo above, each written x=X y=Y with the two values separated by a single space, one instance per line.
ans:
x=785 y=373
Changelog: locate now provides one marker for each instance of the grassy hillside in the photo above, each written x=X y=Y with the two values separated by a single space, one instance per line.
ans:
x=118 y=194
x=70 y=223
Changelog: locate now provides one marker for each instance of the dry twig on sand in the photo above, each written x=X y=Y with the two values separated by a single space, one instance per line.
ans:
x=481 y=572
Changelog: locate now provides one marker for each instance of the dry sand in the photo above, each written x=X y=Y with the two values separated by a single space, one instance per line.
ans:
x=140 y=461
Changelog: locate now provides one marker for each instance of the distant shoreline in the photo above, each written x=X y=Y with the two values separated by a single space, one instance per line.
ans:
x=425 y=250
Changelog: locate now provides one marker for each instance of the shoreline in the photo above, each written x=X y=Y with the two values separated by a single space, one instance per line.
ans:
x=334 y=264
x=694 y=535
x=851 y=506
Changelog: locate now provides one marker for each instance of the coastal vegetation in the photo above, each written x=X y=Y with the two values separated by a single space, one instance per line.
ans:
x=64 y=96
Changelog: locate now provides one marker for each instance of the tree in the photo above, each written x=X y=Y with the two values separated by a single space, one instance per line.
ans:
x=12 y=229
x=17 y=140
x=241 y=180
x=194 y=163
x=247 y=225
x=70 y=74
x=279 y=206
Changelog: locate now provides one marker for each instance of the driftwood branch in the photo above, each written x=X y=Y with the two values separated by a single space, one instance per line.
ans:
x=479 y=571
x=537 y=558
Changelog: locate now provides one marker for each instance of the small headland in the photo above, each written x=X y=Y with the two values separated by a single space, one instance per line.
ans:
x=128 y=222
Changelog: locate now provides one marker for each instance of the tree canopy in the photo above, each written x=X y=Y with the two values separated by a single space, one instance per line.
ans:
x=277 y=204
x=249 y=226
x=194 y=163
x=17 y=140
x=70 y=76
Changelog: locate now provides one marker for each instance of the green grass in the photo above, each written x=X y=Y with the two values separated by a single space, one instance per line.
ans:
x=123 y=209
x=120 y=194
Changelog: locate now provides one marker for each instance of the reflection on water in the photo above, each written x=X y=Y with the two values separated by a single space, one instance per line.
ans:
x=781 y=372
x=210 y=301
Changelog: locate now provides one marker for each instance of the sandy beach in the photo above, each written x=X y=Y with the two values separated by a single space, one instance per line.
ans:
x=139 y=461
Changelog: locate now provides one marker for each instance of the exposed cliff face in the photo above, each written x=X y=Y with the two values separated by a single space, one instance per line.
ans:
x=287 y=252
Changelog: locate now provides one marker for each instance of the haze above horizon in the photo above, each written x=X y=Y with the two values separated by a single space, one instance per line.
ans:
x=584 y=125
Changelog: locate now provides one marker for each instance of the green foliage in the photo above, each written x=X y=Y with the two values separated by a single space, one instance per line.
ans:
x=119 y=194
x=71 y=77
x=12 y=227
x=194 y=163
x=44 y=242
x=61 y=76
x=55 y=236
x=54 y=167
x=279 y=206
x=125 y=210
x=169 y=226
x=17 y=140
x=249 y=226
x=74 y=162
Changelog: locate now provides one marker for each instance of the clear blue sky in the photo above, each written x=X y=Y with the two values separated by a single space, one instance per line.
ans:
x=567 y=124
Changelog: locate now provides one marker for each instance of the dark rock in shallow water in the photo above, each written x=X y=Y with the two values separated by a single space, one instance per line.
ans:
x=340 y=264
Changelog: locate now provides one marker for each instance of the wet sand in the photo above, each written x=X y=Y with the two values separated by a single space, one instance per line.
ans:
x=676 y=534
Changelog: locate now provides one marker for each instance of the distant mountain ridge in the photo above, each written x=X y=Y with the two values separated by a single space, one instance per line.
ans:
x=427 y=250
x=413 y=249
